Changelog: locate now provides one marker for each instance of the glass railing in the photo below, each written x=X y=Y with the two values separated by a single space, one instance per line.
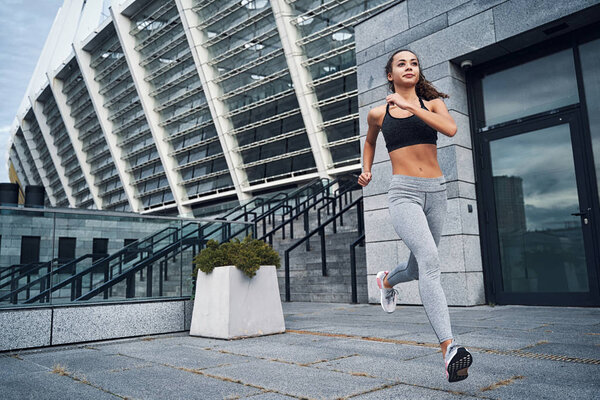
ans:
x=61 y=256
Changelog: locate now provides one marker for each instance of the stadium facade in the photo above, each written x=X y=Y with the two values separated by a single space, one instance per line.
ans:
x=169 y=106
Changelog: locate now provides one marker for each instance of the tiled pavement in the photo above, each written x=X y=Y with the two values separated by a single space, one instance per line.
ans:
x=330 y=351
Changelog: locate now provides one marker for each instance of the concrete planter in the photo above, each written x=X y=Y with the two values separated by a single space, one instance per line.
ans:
x=229 y=305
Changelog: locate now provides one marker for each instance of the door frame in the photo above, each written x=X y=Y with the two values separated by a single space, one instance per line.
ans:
x=569 y=115
x=580 y=136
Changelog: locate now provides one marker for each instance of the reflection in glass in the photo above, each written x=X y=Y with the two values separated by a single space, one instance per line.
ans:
x=536 y=86
x=58 y=257
x=541 y=243
x=590 y=60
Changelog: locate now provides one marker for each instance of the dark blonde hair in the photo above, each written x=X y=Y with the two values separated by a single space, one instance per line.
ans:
x=424 y=88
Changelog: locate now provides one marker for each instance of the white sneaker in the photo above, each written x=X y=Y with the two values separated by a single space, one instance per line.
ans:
x=389 y=296
x=457 y=360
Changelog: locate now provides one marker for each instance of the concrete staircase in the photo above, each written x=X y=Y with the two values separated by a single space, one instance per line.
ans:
x=307 y=282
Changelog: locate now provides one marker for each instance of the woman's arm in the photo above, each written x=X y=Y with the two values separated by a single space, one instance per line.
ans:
x=369 y=148
x=438 y=118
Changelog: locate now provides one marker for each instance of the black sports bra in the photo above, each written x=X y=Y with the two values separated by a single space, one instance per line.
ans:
x=400 y=132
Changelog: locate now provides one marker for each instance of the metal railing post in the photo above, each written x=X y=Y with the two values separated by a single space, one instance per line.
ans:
x=130 y=286
x=360 y=216
x=149 y=281
x=323 y=255
x=160 y=281
x=287 y=275
x=106 y=275
x=306 y=228
x=353 y=273
x=334 y=221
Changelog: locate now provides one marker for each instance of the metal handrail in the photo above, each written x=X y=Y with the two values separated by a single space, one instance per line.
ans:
x=42 y=278
x=251 y=209
x=13 y=269
x=305 y=204
x=321 y=230
x=123 y=251
x=303 y=212
x=353 y=266
x=271 y=208
x=269 y=215
x=103 y=261
x=268 y=199
x=338 y=194
x=126 y=274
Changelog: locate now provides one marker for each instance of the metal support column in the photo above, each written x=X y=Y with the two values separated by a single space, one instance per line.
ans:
x=212 y=90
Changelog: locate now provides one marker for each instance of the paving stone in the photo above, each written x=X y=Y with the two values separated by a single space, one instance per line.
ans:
x=403 y=391
x=160 y=382
x=297 y=380
x=297 y=353
x=269 y=396
x=46 y=385
x=567 y=349
x=378 y=349
x=184 y=356
x=83 y=360
x=15 y=365
x=506 y=339
x=487 y=369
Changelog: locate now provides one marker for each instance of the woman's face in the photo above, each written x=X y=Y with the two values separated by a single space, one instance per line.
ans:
x=405 y=69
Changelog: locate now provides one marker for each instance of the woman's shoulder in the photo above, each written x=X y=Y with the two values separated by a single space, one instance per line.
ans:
x=433 y=103
x=377 y=112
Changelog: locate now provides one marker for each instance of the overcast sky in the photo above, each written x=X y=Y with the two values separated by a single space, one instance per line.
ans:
x=24 y=26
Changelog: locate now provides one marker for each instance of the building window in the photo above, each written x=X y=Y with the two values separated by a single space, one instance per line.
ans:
x=66 y=249
x=30 y=249
x=99 y=249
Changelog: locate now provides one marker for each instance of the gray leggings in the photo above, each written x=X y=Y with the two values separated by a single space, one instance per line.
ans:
x=418 y=207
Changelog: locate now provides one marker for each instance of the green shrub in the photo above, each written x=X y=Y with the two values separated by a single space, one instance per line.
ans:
x=247 y=255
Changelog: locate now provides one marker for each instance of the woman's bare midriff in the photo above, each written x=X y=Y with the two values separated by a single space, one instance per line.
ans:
x=416 y=160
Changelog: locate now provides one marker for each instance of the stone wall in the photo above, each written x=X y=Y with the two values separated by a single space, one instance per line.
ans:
x=57 y=325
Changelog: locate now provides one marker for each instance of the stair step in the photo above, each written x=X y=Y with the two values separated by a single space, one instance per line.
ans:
x=334 y=268
x=331 y=240
x=325 y=297
x=318 y=283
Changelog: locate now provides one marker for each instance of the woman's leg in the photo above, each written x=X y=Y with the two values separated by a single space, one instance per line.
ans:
x=404 y=272
x=410 y=221
x=435 y=213
x=436 y=209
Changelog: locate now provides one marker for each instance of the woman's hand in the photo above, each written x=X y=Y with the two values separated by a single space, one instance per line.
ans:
x=396 y=99
x=364 y=179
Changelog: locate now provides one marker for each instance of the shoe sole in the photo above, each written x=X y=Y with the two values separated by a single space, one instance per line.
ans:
x=457 y=368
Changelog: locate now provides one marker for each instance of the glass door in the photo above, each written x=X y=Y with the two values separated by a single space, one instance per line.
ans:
x=540 y=219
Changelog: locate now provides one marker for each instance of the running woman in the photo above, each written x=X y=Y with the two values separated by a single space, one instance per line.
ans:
x=409 y=122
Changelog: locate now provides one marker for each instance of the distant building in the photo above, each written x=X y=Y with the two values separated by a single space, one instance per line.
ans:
x=171 y=106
